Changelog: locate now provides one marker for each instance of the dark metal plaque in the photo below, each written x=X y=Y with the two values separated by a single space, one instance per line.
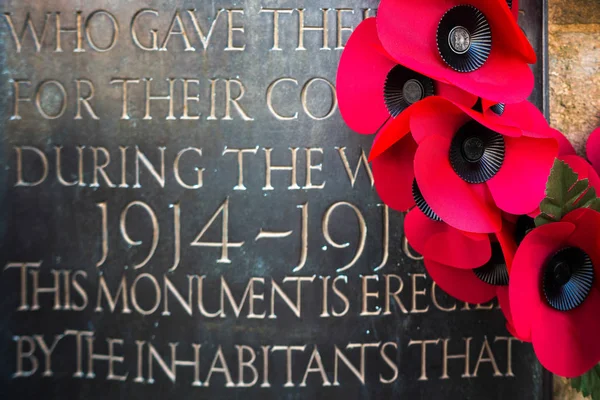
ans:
x=185 y=215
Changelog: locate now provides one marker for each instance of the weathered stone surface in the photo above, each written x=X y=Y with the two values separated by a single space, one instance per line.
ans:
x=564 y=391
x=575 y=80
x=574 y=58
x=226 y=233
x=573 y=11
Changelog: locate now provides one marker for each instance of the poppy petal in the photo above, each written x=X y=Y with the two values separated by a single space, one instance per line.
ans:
x=455 y=94
x=586 y=236
x=524 y=115
x=507 y=243
x=460 y=204
x=514 y=9
x=593 y=149
x=397 y=128
x=461 y=284
x=526 y=273
x=565 y=147
x=503 y=300
x=394 y=174
x=510 y=218
x=520 y=185
x=393 y=131
x=361 y=76
x=436 y=116
x=505 y=76
x=440 y=242
x=495 y=124
x=566 y=343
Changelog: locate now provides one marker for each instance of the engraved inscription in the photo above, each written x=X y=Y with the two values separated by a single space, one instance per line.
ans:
x=187 y=214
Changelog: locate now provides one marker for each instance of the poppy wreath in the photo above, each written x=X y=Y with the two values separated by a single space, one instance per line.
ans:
x=497 y=202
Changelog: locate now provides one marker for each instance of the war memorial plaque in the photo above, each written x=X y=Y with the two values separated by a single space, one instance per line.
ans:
x=186 y=215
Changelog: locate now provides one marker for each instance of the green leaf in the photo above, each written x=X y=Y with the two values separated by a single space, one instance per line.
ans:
x=588 y=384
x=564 y=193
x=588 y=198
x=593 y=204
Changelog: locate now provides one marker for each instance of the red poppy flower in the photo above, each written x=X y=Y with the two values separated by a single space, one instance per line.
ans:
x=529 y=119
x=593 y=149
x=394 y=174
x=393 y=151
x=475 y=45
x=468 y=166
x=555 y=292
x=372 y=87
x=521 y=119
x=514 y=8
x=565 y=148
x=482 y=280
x=439 y=242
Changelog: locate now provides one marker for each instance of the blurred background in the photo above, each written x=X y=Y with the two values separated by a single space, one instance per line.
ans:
x=574 y=56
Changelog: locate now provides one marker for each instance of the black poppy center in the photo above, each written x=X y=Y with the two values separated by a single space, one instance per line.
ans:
x=473 y=149
x=494 y=272
x=422 y=204
x=568 y=278
x=464 y=38
x=413 y=91
x=562 y=273
x=476 y=152
x=404 y=87
x=498 y=108
x=459 y=39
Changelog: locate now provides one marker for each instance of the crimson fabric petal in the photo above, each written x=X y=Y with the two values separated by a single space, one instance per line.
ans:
x=440 y=242
x=514 y=9
x=583 y=169
x=566 y=343
x=455 y=94
x=393 y=131
x=361 y=76
x=524 y=115
x=525 y=277
x=507 y=243
x=565 y=147
x=458 y=203
x=505 y=76
x=495 y=124
x=520 y=184
x=394 y=175
x=586 y=236
x=443 y=117
x=510 y=219
x=503 y=300
x=461 y=284
x=435 y=116
x=593 y=149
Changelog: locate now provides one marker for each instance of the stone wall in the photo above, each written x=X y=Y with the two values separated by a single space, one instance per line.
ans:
x=574 y=55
